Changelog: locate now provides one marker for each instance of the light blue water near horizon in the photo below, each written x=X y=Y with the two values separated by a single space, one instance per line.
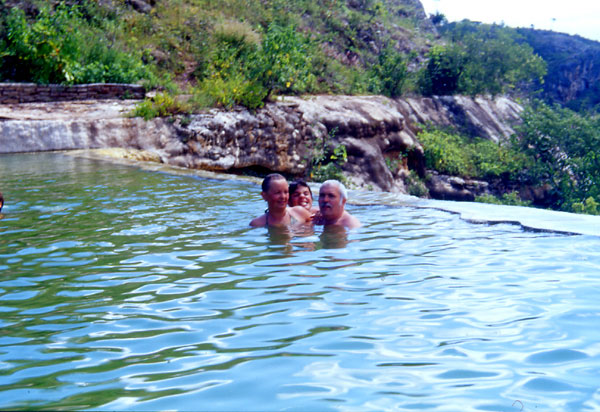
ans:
x=127 y=289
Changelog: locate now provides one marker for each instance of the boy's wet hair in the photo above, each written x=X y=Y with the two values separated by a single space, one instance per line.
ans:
x=298 y=184
x=266 y=183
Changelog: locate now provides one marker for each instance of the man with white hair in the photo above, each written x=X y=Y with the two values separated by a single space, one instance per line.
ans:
x=332 y=200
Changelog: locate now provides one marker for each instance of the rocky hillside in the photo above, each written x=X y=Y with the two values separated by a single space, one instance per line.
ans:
x=335 y=62
x=573 y=62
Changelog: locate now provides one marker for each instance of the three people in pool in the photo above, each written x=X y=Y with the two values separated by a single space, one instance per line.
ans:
x=289 y=205
x=275 y=192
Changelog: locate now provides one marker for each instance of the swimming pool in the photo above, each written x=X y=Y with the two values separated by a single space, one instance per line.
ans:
x=128 y=289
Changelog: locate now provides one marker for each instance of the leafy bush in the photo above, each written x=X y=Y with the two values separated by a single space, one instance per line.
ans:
x=564 y=148
x=443 y=70
x=43 y=50
x=511 y=198
x=325 y=163
x=233 y=90
x=59 y=45
x=588 y=206
x=162 y=105
x=240 y=71
x=283 y=64
x=415 y=186
x=389 y=75
x=478 y=158
x=480 y=59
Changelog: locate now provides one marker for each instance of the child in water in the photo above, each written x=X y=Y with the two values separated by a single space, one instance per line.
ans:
x=275 y=192
x=301 y=195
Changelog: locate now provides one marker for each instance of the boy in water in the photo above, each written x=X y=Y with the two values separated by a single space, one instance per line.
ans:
x=301 y=195
x=275 y=192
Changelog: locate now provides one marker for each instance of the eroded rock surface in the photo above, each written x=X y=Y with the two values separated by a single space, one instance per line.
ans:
x=379 y=134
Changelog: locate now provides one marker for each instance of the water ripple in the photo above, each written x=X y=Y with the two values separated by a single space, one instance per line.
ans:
x=133 y=290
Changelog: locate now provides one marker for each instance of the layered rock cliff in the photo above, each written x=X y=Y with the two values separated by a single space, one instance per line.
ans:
x=282 y=136
x=573 y=78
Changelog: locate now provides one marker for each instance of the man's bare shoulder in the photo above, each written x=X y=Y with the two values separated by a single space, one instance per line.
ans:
x=350 y=221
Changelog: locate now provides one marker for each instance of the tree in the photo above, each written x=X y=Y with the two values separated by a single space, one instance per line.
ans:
x=443 y=71
x=564 y=146
x=389 y=75
x=481 y=59
x=496 y=61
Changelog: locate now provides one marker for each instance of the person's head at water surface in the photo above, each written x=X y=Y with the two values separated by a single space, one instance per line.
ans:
x=1 y=201
x=301 y=195
x=332 y=203
x=332 y=200
x=275 y=191
x=266 y=183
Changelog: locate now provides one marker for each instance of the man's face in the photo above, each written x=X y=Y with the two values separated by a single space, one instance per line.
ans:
x=277 y=196
x=330 y=202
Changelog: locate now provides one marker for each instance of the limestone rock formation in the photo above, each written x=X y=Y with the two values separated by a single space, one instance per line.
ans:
x=379 y=134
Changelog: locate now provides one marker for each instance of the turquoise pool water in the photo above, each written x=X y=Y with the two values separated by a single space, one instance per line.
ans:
x=125 y=289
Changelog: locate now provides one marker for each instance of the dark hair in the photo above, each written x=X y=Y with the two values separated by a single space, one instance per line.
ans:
x=1 y=201
x=298 y=184
x=266 y=183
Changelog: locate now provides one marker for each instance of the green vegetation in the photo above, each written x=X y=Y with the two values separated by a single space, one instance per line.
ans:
x=563 y=148
x=325 y=161
x=67 y=45
x=203 y=53
x=457 y=155
x=241 y=52
x=554 y=148
x=389 y=75
x=162 y=105
x=480 y=59
x=415 y=185
x=241 y=71
x=225 y=53
x=511 y=199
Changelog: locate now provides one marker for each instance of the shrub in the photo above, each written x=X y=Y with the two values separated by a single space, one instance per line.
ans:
x=588 y=206
x=162 y=105
x=564 y=148
x=389 y=75
x=43 y=50
x=512 y=199
x=481 y=58
x=478 y=158
x=444 y=153
x=59 y=45
x=241 y=71
x=415 y=186
x=325 y=163
x=234 y=90
x=443 y=70
x=283 y=64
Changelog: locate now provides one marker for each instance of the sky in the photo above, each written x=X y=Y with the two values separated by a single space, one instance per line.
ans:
x=580 y=17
